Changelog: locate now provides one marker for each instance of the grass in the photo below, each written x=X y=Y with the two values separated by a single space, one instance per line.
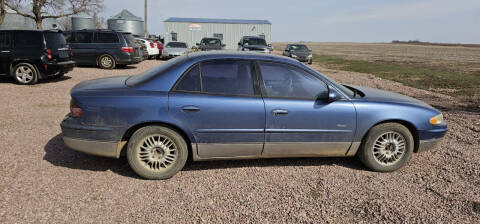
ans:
x=465 y=85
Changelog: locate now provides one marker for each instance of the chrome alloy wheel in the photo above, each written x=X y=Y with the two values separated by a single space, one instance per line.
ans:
x=389 y=148
x=157 y=152
x=24 y=74
x=106 y=62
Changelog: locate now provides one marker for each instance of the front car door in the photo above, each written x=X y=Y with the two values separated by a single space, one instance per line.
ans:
x=300 y=121
x=5 y=52
x=218 y=103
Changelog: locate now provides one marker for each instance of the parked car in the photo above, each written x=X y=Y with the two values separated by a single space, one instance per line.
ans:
x=104 y=48
x=144 y=50
x=174 y=49
x=160 y=48
x=29 y=55
x=299 y=52
x=217 y=105
x=152 y=48
x=252 y=43
x=210 y=44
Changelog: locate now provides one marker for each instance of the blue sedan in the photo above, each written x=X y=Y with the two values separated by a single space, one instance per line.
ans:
x=223 y=105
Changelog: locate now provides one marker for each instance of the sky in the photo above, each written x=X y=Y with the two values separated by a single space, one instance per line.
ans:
x=448 y=21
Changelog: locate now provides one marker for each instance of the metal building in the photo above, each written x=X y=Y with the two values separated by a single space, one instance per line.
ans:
x=127 y=22
x=192 y=30
x=14 y=21
x=80 y=22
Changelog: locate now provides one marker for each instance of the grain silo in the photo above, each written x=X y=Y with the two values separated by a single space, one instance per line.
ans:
x=81 y=22
x=14 y=21
x=127 y=22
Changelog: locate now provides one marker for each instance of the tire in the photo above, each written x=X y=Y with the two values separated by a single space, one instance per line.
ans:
x=150 y=159
x=25 y=74
x=106 y=62
x=387 y=147
x=122 y=66
x=59 y=75
x=310 y=62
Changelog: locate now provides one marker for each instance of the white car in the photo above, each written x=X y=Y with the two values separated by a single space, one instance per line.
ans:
x=152 y=48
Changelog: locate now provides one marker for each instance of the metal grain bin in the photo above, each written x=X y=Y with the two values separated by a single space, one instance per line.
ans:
x=127 y=22
x=82 y=22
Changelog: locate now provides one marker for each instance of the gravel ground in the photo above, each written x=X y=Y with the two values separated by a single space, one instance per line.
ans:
x=42 y=181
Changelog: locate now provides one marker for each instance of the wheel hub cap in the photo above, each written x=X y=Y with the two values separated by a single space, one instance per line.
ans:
x=157 y=152
x=389 y=148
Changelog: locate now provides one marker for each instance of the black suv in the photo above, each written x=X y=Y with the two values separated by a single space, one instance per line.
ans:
x=253 y=43
x=104 y=48
x=30 y=55
x=210 y=44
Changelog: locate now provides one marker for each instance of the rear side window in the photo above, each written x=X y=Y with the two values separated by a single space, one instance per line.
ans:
x=106 y=37
x=83 y=37
x=28 y=39
x=190 y=81
x=129 y=38
x=55 y=40
x=227 y=77
x=4 y=39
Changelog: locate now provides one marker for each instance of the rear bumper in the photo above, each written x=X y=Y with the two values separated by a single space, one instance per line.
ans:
x=62 y=67
x=97 y=148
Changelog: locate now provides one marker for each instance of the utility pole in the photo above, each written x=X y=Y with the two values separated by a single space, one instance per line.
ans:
x=146 y=24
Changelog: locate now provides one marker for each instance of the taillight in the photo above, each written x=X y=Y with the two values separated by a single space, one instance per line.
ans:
x=160 y=46
x=71 y=52
x=49 y=54
x=152 y=45
x=75 y=110
x=128 y=49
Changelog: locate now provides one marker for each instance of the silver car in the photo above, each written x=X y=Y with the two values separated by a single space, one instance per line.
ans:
x=174 y=49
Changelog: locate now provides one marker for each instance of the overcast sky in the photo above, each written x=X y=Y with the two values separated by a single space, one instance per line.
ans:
x=454 y=21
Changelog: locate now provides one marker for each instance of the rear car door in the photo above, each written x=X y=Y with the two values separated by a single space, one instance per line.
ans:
x=218 y=103
x=300 y=121
x=5 y=52
x=84 y=51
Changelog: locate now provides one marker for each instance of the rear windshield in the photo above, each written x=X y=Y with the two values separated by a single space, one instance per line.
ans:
x=254 y=41
x=176 y=45
x=129 y=38
x=55 y=40
x=148 y=75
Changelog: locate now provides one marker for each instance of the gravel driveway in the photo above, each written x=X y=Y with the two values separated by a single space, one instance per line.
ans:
x=42 y=181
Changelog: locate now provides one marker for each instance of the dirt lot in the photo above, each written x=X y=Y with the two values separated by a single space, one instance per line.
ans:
x=42 y=181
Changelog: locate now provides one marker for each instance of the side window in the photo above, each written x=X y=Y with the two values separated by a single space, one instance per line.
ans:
x=174 y=37
x=190 y=81
x=28 y=39
x=106 y=37
x=287 y=81
x=83 y=37
x=4 y=40
x=68 y=37
x=227 y=77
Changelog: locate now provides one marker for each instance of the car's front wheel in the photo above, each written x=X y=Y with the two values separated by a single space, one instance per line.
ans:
x=156 y=152
x=387 y=147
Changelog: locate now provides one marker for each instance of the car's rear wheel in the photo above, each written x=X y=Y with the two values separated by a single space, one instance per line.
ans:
x=106 y=62
x=25 y=74
x=156 y=152
x=387 y=147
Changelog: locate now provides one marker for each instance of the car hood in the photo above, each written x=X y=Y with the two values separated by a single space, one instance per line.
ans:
x=173 y=49
x=376 y=95
x=116 y=82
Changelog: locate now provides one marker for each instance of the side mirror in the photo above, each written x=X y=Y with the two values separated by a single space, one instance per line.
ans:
x=239 y=44
x=333 y=95
x=197 y=44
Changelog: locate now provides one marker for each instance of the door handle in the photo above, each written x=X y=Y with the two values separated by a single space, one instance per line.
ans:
x=5 y=51
x=277 y=112
x=191 y=108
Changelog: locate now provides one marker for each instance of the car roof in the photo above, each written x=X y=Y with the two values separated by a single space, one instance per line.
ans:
x=211 y=55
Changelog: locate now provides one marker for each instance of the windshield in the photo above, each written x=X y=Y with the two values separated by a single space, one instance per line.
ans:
x=255 y=41
x=299 y=47
x=176 y=45
x=162 y=68
x=211 y=42
x=55 y=40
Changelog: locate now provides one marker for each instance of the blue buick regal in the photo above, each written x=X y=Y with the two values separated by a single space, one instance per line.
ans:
x=224 y=105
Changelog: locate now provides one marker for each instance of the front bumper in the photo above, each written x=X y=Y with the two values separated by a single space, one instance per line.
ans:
x=430 y=139
x=426 y=145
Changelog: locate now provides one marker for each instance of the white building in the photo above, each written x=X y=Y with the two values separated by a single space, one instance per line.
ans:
x=230 y=31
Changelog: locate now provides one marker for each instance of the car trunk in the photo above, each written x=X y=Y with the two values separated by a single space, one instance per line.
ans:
x=58 y=46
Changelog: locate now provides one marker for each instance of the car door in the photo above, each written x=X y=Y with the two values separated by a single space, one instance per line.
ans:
x=83 y=48
x=5 y=51
x=300 y=121
x=217 y=102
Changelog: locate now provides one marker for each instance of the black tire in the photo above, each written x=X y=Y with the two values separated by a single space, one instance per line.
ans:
x=367 y=151
x=122 y=66
x=137 y=148
x=106 y=62
x=25 y=74
x=310 y=61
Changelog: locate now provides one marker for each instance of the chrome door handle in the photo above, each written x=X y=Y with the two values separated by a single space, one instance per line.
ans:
x=191 y=108
x=5 y=51
x=277 y=112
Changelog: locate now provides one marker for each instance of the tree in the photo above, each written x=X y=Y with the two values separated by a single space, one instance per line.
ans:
x=39 y=10
x=2 y=11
